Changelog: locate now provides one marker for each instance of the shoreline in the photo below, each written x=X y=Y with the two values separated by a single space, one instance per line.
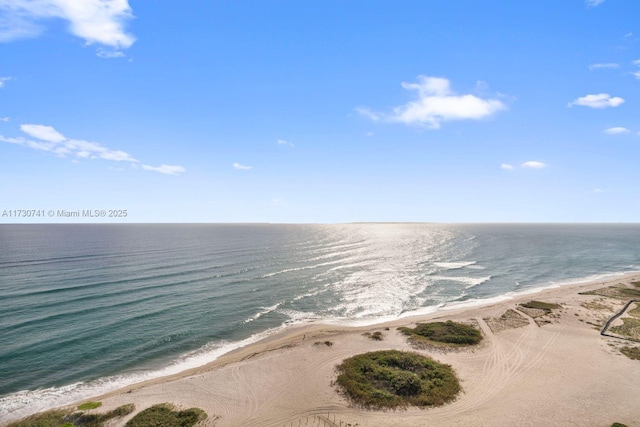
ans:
x=27 y=402
x=239 y=386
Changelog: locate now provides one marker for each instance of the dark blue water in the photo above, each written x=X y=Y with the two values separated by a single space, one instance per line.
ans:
x=88 y=308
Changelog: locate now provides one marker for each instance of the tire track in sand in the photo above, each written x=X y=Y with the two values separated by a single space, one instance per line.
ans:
x=261 y=411
x=505 y=362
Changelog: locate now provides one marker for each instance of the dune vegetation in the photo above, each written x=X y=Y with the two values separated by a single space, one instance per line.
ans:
x=70 y=418
x=448 y=333
x=166 y=415
x=162 y=415
x=392 y=379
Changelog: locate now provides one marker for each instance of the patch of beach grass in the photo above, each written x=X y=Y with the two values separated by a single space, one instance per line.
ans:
x=633 y=293
x=630 y=328
x=326 y=343
x=635 y=312
x=597 y=305
x=619 y=291
x=539 y=305
x=631 y=352
x=509 y=319
x=53 y=418
x=89 y=405
x=166 y=415
x=123 y=410
x=396 y=379
x=80 y=419
x=376 y=336
x=447 y=333
x=67 y=418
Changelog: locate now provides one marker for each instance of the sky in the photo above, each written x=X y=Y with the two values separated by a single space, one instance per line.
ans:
x=319 y=112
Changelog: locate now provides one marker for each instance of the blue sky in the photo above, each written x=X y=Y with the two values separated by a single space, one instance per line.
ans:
x=321 y=112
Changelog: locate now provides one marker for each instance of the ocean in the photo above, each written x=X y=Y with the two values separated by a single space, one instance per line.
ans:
x=88 y=308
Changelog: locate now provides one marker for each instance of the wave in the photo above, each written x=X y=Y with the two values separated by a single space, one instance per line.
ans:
x=469 y=281
x=309 y=294
x=296 y=317
x=588 y=279
x=454 y=265
x=306 y=267
x=265 y=310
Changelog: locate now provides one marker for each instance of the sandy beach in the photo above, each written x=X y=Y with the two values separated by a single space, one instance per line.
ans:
x=530 y=370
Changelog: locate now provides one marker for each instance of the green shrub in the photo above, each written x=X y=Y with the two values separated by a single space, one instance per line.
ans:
x=165 y=415
x=405 y=383
x=391 y=378
x=89 y=405
x=448 y=332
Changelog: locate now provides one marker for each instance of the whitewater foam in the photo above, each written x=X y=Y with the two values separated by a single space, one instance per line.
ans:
x=454 y=265
x=265 y=310
x=468 y=281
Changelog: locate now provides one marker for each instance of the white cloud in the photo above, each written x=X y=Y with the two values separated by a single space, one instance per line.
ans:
x=436 y=103
x=95 y=21
x=45 y=133
x=506 y=167
x=601 y=100
x=278 y=201
x=165 y=169
x=598 y=190
x=594 y=3
x=42 y=146
x=603 y=65
x=533 y=165
x=238 y=166
x=4 y=119
x=110 y=54
x=52 y=141
x=368 y=113
x=616 y=130
x=636 y=73
x=4 y=79
x=283 y=142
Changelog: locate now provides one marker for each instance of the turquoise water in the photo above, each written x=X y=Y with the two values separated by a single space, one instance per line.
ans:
x=88 y=308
